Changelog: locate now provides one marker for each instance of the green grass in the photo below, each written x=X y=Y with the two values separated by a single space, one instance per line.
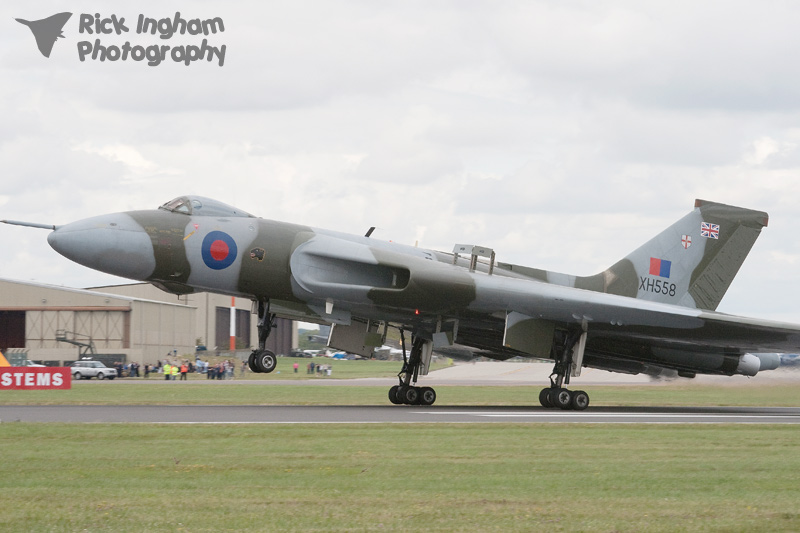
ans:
x=237 y=393
x=340 y=369
x=481 y=477
x=487 y=477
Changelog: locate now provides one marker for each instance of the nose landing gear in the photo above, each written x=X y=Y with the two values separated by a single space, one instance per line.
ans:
x=263 y=360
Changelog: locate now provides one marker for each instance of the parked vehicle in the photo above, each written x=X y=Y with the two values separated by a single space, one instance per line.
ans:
x=88 y=369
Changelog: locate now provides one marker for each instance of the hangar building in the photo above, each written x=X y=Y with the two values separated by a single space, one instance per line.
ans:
x=213 y=318
x=137 y=322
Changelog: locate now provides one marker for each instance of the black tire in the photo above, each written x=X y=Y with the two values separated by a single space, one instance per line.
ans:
x=544 y=399
x=400 y=394
x=427 y=396
x=580 y=400
x=266 y=361
x=410 y=395
x=251 y=363
x=393 y=395
x=77 y=375
x=101 y=376
x=561 y=398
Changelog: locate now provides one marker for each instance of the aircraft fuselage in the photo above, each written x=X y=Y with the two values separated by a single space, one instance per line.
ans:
x=653 y=311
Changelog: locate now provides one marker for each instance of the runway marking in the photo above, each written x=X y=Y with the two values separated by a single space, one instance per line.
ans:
x=377 y=415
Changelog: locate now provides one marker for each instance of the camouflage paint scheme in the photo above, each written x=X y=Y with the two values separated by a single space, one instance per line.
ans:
x=653 y=311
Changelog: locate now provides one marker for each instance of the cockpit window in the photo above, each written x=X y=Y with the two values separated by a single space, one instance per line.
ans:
x=199 y=206
x=178 y=205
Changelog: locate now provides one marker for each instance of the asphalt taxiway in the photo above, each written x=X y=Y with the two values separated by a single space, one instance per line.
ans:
x=391 y=414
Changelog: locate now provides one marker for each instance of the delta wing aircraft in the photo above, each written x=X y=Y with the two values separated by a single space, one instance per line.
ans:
x=652 y=312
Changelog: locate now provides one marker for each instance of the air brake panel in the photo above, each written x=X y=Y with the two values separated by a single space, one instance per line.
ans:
x=530 y=335
x=360 y=337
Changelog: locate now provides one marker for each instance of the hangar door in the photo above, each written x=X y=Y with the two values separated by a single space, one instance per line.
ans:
x=223 y=327
x=109 y=329
x=12 y=329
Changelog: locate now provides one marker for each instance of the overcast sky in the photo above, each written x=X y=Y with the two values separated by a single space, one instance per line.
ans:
x=562 y=134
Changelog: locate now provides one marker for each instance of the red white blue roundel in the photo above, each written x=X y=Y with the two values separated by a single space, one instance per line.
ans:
x=219 y=250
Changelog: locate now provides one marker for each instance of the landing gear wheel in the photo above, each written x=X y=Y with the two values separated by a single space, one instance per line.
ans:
x=400 y=394
x=427 y=396
x=251 y=363
x=580 y=400
x=544 y=398
x=561 y=398
x=393 y=395
x=266 y=361
x=410 y=395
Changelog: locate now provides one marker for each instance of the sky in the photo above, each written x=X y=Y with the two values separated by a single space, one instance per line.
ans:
x=562 y=134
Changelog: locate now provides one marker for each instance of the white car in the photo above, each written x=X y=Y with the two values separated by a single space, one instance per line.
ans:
x=90 y=369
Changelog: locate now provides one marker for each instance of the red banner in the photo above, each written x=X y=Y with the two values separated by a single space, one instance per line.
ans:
x=34 y=378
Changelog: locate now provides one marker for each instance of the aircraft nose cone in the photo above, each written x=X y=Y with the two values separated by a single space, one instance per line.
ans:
x=114 y=244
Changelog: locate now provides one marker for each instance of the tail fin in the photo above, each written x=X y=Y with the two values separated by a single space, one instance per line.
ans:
x=692 y=263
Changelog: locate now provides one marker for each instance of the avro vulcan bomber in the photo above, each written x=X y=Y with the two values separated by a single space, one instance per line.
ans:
x=652 y=312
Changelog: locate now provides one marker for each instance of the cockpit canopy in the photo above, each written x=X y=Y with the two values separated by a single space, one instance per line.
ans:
x=200 y=206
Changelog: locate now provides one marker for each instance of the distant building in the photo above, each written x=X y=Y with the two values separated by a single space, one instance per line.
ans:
x=213 y=318
x=56 y=325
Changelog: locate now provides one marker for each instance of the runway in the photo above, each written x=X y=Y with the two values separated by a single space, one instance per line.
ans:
x=392 y=414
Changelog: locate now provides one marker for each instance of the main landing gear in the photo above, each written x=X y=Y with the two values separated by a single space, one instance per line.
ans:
x=405 y=393
x=263 y=360
x=557 y=396
x=562 y=398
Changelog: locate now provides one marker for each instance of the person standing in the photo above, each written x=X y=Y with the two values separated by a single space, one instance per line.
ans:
x=167 y=371
x=184 y=371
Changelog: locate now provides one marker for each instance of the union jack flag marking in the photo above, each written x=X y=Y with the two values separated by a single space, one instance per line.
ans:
x=710 y=231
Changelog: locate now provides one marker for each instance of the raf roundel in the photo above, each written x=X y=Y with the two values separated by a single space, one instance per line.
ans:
x=219 y=250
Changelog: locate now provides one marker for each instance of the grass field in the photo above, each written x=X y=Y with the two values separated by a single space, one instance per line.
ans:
x=489 y=477
x=373 y=477
x=340 y=369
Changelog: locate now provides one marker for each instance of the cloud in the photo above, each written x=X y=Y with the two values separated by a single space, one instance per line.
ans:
x=563 y=135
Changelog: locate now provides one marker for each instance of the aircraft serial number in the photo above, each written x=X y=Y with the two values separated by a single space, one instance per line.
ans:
x=657 y=286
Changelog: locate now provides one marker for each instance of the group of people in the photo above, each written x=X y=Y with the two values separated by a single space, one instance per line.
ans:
x=223 y=370
x=180 y=370
x=171 y=371
x=319 y=370
x=132 y=370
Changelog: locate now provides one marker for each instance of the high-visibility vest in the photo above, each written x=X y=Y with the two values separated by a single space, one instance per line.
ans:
x=166 y=368
x=184 y=368
x=174 y=370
